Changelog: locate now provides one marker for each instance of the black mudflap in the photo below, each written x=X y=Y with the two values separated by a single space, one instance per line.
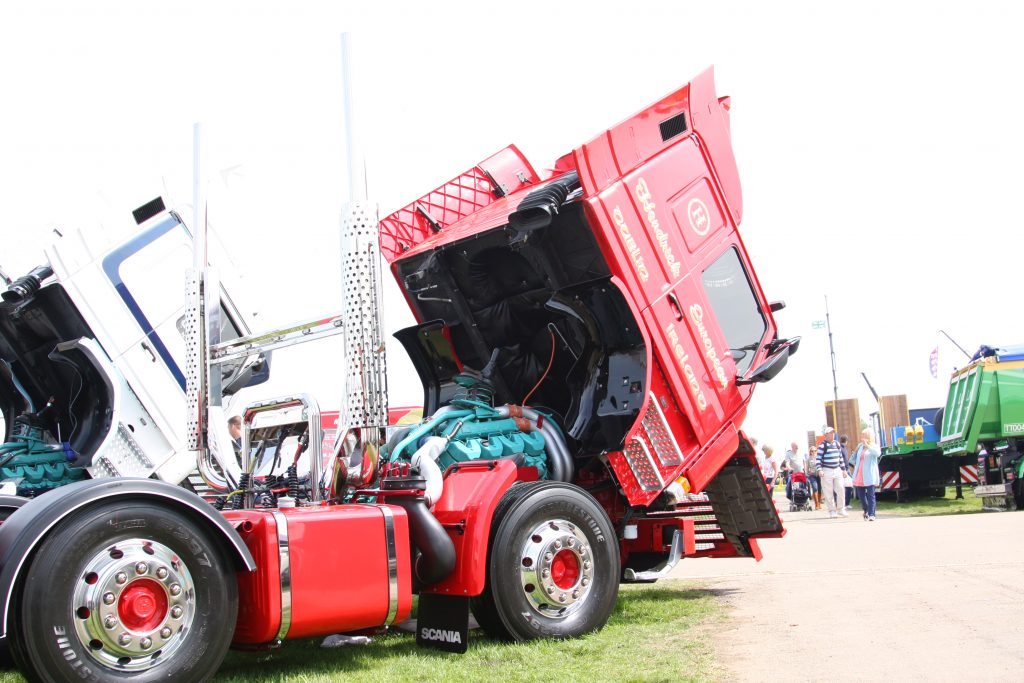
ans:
x=742 y=504
x=442 y=622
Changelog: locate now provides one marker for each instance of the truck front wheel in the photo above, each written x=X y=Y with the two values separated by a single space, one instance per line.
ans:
x=125 y=592
x=553 y=568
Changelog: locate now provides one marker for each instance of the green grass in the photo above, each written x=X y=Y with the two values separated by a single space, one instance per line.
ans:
x=657 y=633
x=930 y=506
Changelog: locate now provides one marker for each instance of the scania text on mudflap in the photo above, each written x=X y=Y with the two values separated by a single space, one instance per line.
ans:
x=588 y=343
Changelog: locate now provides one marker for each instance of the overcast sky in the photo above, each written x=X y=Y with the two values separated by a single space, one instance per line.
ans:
x=879 y=149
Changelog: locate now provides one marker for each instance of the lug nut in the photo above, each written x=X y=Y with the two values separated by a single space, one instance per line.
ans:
x=124 y=639
x=569 y=543
x=165 y=633
x=585 y=581
x=558 y=544
x=145 y=643
x=561 y=598
x=548 y=556
x=551 y=590
x=586 y=564
x=575 y=594
x=176 y=611
x=141 y=568
x=175 y=589
x=120 y=577
x=546 y=573
x=110 y=622
x=108 y=598
x=161 y=572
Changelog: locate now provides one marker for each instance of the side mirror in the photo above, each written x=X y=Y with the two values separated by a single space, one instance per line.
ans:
x=776 y=306
x=772 y=365
x=248 y=372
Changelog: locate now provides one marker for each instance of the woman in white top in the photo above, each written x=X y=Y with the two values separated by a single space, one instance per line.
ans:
x=768 y=470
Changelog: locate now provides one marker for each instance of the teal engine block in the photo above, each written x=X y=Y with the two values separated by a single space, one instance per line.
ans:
x=480 y=438
x=474 y=431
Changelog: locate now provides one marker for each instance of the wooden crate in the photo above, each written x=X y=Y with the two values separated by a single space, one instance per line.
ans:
x=893 y=412
x=844 y=416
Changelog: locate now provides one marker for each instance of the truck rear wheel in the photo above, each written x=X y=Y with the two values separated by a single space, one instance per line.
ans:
x=553 y=565
x=125 y=592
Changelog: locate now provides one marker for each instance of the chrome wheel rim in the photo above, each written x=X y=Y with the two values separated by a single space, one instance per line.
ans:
x=556 y=568
x=133 y=605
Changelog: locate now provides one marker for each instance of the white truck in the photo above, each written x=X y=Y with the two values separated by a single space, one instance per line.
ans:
x=92 y=364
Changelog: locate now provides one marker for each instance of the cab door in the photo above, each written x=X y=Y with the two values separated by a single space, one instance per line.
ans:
x=657 y=193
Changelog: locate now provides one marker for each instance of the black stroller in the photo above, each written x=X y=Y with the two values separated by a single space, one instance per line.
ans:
x=800 y=491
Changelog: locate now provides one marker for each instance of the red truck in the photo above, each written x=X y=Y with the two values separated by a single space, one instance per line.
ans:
x=588 y=344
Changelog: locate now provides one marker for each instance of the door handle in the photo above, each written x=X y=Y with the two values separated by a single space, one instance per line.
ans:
x=147 y=349
x=677 y=310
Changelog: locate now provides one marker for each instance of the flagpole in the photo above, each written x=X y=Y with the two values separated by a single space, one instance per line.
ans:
x=832 y=352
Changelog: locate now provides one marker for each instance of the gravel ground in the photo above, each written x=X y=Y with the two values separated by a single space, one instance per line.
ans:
x=901 y=598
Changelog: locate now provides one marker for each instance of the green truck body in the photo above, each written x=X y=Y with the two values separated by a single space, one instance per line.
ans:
x=984 y=416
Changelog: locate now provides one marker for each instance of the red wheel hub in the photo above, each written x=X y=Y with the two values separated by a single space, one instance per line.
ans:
x=143 y=605
x=565 y=569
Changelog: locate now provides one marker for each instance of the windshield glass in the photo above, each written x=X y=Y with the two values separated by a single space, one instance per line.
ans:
x=732 y=298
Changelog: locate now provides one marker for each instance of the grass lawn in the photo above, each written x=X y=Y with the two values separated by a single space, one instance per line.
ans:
x=655 y=634
x=930 y=506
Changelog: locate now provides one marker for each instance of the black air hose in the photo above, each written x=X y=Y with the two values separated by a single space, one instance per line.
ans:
x=437 y=552
x=293 y=481
x=238 y=499
x=541 y=206
x=27 y=285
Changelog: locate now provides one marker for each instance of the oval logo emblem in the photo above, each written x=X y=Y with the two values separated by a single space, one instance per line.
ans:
x=700 y=221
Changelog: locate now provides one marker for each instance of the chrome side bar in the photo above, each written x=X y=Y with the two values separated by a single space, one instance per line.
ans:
x=284 y=554
x=662 y=570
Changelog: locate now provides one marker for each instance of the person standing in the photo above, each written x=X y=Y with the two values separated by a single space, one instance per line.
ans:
x=865 y=473
x=795 y=462
x=829 y=466
x=768 y=470
x=847 y=471
x=235 y=430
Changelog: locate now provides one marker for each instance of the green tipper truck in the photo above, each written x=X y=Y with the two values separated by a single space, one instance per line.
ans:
x=984 y=415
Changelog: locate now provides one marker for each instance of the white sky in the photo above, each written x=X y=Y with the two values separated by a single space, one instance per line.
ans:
x=879 y=149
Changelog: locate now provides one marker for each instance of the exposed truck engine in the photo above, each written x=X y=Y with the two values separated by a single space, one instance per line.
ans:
x=587 y=342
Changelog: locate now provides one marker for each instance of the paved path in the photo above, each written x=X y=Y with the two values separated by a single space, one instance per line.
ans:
x=898 y=599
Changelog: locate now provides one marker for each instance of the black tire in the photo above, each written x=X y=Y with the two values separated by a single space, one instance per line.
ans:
x=6 y=660
x=561 y=529
x=482 y=606
x=98 y=551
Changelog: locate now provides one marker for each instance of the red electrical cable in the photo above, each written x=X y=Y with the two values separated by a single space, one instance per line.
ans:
x=546 y=370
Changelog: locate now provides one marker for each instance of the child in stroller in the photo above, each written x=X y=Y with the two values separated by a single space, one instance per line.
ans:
x=800 y=498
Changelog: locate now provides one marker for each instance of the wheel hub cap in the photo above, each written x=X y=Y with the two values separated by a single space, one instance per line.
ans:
x=143 y=605
x=557 y=568
x=133 y=605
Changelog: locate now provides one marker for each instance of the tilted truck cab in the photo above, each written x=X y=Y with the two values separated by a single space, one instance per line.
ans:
x=615 y=296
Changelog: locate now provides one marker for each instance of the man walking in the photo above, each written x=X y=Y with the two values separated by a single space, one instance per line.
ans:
x=829 y=464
